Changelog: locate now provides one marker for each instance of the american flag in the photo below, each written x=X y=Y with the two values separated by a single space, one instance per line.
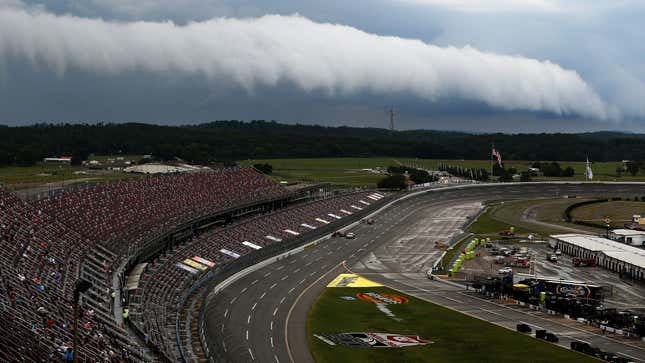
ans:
x=498 y=156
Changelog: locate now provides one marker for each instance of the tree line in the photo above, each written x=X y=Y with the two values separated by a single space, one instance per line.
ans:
x=399 y=176
x=236 y=140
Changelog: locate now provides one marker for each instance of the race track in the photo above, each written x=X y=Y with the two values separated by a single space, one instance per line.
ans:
x=261 y=317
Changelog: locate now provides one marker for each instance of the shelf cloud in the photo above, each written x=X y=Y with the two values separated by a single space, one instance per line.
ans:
x=273 y=49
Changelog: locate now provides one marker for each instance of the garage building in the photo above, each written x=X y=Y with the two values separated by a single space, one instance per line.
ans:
x=612 y=255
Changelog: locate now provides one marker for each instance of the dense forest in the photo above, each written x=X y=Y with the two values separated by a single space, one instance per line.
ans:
x=235 y=140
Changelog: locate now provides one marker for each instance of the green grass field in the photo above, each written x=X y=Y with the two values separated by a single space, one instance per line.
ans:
x=509 y=213
x=347 y=171
x=340 y=171
x=21 y=177
x=620 y=212
x=457 y=337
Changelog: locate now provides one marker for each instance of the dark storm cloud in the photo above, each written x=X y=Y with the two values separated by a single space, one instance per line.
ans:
x=137 y=89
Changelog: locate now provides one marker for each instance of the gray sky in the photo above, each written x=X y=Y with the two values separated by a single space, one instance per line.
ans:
x=472 y=65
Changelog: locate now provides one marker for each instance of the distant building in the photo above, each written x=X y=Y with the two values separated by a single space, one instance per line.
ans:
x=162 y=168
x=60 y=160
x=629 y=236
x=611 y=255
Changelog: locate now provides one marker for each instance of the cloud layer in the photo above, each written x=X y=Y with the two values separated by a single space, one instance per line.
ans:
x=273 y=49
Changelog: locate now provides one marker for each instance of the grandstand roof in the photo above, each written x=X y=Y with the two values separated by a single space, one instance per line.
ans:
x=620 y=251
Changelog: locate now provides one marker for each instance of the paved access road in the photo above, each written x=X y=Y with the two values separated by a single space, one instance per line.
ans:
x=262 y=316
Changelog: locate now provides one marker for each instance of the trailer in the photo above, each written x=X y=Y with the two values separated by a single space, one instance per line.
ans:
x=583 y=262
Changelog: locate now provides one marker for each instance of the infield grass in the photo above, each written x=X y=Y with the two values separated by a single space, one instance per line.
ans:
x=456 y=337
x=620 y=212
x=348 y=171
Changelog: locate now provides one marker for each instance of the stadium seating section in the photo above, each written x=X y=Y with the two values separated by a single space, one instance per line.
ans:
x=163 y=281
x=46 y=245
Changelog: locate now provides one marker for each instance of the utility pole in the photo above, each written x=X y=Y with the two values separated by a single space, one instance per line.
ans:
x=391 y=113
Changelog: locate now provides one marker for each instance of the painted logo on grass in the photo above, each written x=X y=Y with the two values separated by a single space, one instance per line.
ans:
x=382 y=298
x=372 y=340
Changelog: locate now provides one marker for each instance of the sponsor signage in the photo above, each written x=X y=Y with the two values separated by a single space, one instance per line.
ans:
x=352 y=280
x=194 y=264
x=372 y=340
x=322 y=220
x=276 y=239
x=203 y=261
x=252 y=245
x=382 y=298
x=333 y=215
x=573 y=290
x=355 y=207
x=292 y=232
x=346 y=212
x=363 y=202
x=187 y=268
x=229 y=253
x=308 y=226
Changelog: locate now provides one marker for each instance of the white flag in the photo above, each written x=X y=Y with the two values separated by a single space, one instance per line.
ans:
x=589 y=172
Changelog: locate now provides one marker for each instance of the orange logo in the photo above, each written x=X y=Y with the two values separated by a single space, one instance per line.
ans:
x=382 y=298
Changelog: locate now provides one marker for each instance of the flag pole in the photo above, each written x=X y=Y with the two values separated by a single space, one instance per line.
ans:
x=492 y=147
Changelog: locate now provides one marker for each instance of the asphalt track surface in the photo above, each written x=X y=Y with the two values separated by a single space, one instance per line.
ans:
x=261 y=317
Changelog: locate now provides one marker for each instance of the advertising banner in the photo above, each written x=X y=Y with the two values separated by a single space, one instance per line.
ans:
x=372 y=340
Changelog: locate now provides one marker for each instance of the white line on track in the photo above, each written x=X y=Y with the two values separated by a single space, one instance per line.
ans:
x=492 y=312
x=284 y=277
x=301 y=281
x=251 y=354
x=254 y=305
x=275 y=311
x=263 y=295
x=233 y=300
x=226 y=313
x=247 y=334
x=272 y=286
x=267 y=274
x=279 y=268
x=276 y=359
x=296 y=271
x=254 y=282
x=244 y=290
x=282 y=300
x=291 y=290
x=271 y=339
x=271 y=326
x=451 y=299
x=248 y=320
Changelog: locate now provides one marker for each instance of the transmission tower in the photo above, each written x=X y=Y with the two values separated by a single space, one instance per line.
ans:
x=391 y=114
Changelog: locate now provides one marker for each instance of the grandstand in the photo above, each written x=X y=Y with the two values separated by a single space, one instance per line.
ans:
x=97 y=233
x=163 y=281
x=39 y=263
